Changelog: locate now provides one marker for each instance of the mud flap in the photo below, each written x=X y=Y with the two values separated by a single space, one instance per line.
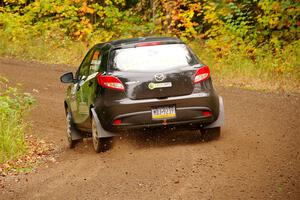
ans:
x=220 y=121
x=102 y=133
x=76 y=135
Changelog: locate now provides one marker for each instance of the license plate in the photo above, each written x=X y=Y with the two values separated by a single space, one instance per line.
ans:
x=152 y=86
x=164 y=112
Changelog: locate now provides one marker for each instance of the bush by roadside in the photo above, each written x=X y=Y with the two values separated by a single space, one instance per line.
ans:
x=20 y=152
x=14 y=105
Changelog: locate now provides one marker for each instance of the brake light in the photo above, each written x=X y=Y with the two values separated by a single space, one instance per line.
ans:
x=145 y=44
x=117 y=122
x=202 y=74
x=110 y=82
x=206 y=113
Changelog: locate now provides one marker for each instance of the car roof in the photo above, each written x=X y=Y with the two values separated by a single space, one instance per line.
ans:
x=131 y=41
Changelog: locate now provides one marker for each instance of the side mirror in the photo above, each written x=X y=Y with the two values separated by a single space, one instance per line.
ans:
x=67 y=78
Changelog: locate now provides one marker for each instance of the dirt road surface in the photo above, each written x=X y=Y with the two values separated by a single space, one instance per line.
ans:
x=256 y=157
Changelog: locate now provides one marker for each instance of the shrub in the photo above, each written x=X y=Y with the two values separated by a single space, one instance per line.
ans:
x=14 y=105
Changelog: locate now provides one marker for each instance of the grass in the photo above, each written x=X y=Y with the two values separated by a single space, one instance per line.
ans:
x=52 y=50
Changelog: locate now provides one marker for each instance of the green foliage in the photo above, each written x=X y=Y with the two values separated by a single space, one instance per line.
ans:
x=255 y=22
x=74 y=18
x=266 y=71
x=248 y=36
x=13 y=107
x=61 y=31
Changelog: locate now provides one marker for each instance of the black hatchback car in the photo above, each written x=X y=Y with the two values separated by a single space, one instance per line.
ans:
x=140 y=83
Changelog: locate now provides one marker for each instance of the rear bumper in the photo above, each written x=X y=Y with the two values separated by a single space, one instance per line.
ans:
x=190 y=124
x=137 y=113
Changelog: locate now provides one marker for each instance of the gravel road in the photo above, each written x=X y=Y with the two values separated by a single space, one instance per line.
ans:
x=256 y=157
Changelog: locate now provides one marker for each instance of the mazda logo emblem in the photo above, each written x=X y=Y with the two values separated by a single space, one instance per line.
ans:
x=159 y=77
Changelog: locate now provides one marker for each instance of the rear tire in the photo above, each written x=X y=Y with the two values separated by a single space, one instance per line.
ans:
x=100 y=144
x=210 y=133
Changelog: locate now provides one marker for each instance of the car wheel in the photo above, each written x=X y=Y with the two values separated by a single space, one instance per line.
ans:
x=100 y=144
x=70 y=125
x=210 y=133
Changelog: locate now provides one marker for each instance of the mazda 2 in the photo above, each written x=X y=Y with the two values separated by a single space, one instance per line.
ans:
x=139 y=83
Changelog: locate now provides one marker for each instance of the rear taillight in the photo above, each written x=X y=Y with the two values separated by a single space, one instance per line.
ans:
x=202 y=74
x=110 y=82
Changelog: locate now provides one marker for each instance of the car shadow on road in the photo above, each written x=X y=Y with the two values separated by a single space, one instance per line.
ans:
x=164 y=138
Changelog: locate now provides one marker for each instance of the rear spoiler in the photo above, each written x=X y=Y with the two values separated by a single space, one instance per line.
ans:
x=147 y=43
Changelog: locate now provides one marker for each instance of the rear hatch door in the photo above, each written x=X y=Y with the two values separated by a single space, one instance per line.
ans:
x=155 y=71
x=140 y=85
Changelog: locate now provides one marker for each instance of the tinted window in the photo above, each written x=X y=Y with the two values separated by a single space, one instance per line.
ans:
x=153 y=58
x=84 y=67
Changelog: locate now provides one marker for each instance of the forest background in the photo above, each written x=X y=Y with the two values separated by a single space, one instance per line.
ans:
x=251 y=43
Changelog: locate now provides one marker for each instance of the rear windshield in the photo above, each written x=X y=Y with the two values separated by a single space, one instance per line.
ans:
x=153 y=58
